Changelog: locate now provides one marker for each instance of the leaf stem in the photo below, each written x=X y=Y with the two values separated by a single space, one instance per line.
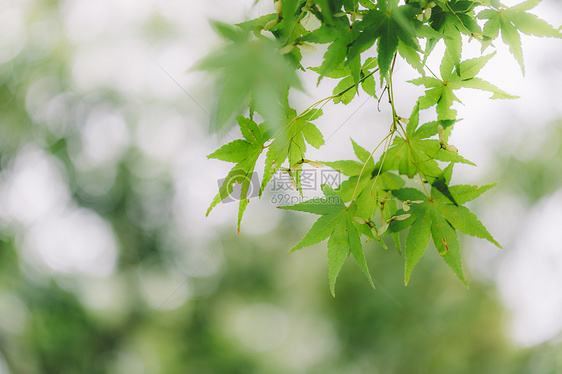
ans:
x=365 y=165
x=301 y=16
x=323 y=101
x=387 y=137
x=354 y=84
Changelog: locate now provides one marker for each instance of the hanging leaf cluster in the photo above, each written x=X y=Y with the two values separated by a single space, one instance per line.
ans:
x=404 y=184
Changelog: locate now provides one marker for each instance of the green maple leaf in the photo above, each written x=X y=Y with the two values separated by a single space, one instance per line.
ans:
x=290 y=144
x=416 y=154
x=349 y=168
x=440 y=91
x=340 y=35
x=453 y=18
x=388 y=25
x=417 y=239
x=369 y=185
x=464 y=193
x=353 y=169
x=287 y=28
x=363 y=174
x=512 y=21
x=257 y=24
x=249 y=71
x=458 y=13
x=439 y=218
x=336 y=222
x=346 y=89
x=411 y=56
x=245 y=153
x=369 y=4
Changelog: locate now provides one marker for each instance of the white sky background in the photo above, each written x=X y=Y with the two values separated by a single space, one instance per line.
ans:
x=110 y=50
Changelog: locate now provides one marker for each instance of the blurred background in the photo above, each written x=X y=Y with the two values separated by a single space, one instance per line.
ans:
x=108 y=264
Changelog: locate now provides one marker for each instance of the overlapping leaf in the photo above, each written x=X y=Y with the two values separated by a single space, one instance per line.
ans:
x=368 y=186
x=340 y=35
x=417 y=154
x=451 y=18
x=439 y=217
x=249 y=71
x=387 y=25
x=440 y=91
x=245 y=153
x=336 y=223
x=512 y=21
x=347 y=88
x=290 y=143
x=362 y=175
